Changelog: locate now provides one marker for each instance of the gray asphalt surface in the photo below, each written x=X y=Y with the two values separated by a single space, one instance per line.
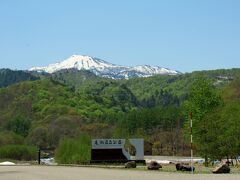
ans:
x=83 y=173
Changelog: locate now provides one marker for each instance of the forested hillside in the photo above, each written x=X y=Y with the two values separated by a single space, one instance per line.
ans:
x=8 y=77
x=70 y=102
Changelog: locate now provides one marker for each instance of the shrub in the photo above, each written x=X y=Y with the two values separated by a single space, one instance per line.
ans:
x=18 y=152
x=8 y=137
x=74 y=151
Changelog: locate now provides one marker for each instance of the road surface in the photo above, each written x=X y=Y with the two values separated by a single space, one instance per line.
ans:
x=85 y=173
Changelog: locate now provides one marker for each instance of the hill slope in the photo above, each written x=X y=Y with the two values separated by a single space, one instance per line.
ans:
x=70 y=102
x=8 y=77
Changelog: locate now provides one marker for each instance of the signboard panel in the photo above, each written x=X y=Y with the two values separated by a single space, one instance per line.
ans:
x=114 y=150
x=107 y=143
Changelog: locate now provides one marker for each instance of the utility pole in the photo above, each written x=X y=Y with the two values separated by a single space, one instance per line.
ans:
x=190 y=116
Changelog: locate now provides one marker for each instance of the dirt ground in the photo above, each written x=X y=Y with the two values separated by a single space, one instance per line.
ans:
x=90 y=173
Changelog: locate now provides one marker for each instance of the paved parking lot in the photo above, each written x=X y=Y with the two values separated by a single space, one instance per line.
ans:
x=84 y=173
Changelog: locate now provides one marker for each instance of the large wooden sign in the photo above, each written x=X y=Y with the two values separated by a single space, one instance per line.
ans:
x=114 y=150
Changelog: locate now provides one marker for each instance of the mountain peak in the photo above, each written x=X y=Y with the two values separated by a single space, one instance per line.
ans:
x=103 y=68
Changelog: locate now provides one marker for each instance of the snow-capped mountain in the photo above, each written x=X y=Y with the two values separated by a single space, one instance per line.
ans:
x=104 y=69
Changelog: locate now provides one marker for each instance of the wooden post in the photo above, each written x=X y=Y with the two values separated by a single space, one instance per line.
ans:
x=39 y=156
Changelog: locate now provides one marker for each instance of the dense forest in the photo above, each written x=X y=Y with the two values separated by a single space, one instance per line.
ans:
x=42 y=109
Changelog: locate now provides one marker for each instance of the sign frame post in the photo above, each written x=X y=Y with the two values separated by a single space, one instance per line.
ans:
x=191 y=137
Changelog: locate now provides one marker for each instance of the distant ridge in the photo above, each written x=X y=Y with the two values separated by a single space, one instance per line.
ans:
x=9 y=77
x=105 y=69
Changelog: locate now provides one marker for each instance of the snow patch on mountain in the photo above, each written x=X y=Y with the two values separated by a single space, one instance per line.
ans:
x=104 y=69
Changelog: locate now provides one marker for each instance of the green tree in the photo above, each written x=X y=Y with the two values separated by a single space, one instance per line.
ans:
x=229 y=134
x=229 y=130
x=38 y=137
x=203 y=99
x=20 y=125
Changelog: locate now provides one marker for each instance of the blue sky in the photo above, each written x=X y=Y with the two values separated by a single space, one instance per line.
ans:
x=185 y=35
